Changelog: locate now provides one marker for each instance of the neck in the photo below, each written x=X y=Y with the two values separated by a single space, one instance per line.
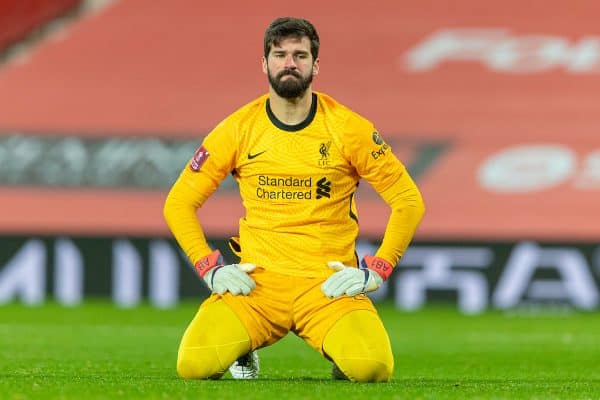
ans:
x=290 y=111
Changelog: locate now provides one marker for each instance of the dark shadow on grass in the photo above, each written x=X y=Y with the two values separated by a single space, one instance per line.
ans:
x=282 y=379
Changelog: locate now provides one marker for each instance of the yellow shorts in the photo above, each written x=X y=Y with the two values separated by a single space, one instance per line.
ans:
x=281 y=303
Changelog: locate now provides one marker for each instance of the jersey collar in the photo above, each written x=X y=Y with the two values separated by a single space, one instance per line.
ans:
x=296 y=127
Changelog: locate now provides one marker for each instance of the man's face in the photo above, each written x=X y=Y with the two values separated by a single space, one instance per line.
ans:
x=290 y=67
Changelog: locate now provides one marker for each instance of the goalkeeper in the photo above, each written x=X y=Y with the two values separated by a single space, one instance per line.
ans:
x=297 y=156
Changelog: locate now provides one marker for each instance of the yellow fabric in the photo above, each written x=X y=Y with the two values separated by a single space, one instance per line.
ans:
x=280 y=304
x=407 y=210
x=180 y=213
x=212 y=341
x=297 y=186
x=360 y=347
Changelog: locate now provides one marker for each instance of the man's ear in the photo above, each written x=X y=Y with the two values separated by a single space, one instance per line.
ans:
x=263 y=61
x=316 y=67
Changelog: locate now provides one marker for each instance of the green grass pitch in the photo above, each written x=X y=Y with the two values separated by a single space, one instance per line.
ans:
x=97 y=351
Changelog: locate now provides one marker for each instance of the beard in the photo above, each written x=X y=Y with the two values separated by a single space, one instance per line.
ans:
x=291 y=87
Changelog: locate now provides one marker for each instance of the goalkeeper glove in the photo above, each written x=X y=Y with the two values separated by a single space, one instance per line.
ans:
x=219 y=278
x=352 y=281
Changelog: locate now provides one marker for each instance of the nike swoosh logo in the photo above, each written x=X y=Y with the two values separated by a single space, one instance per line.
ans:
x=251 y=156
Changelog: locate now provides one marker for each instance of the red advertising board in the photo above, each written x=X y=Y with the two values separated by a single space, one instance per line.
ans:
x=507 y=91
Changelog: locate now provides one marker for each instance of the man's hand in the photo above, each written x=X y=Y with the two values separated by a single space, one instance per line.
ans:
x=350 y=281
x=231 y=278
x=221 y=278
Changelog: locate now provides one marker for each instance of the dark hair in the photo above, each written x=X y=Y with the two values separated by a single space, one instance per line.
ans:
x=285 y=27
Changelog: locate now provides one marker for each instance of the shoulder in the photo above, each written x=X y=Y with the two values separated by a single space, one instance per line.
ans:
x=350 y=120
x=246 y=112
x=231 y=129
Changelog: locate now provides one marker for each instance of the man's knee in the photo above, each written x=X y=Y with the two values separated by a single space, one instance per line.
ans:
x=199 y=364
x=359 y=345
x=212 y=341
x=365 y=360
x=366 y=370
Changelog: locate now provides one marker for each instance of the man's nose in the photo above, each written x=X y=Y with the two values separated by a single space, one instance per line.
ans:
x=289 y=62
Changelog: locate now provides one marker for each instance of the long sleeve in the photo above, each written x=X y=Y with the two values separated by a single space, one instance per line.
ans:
x=181 y=205
x=375 y=162
x=408 y=208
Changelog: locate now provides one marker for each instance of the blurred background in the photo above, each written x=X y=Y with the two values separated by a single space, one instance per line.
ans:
x=493 y=106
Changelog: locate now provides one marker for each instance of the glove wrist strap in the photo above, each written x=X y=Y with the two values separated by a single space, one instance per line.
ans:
x=207 y=263
x=379 y=265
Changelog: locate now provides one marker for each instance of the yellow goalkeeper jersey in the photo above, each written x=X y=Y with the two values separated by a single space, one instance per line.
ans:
x=297 y=184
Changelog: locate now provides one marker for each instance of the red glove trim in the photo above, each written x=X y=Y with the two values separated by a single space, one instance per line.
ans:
x=379 y=265
x=208 y=262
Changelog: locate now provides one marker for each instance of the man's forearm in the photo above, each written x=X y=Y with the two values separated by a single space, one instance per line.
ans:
x=408 y=208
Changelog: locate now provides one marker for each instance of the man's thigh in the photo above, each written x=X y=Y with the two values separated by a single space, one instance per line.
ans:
x=212 y=341
x=215 y=324
x=315 y=314
x=266 y=312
